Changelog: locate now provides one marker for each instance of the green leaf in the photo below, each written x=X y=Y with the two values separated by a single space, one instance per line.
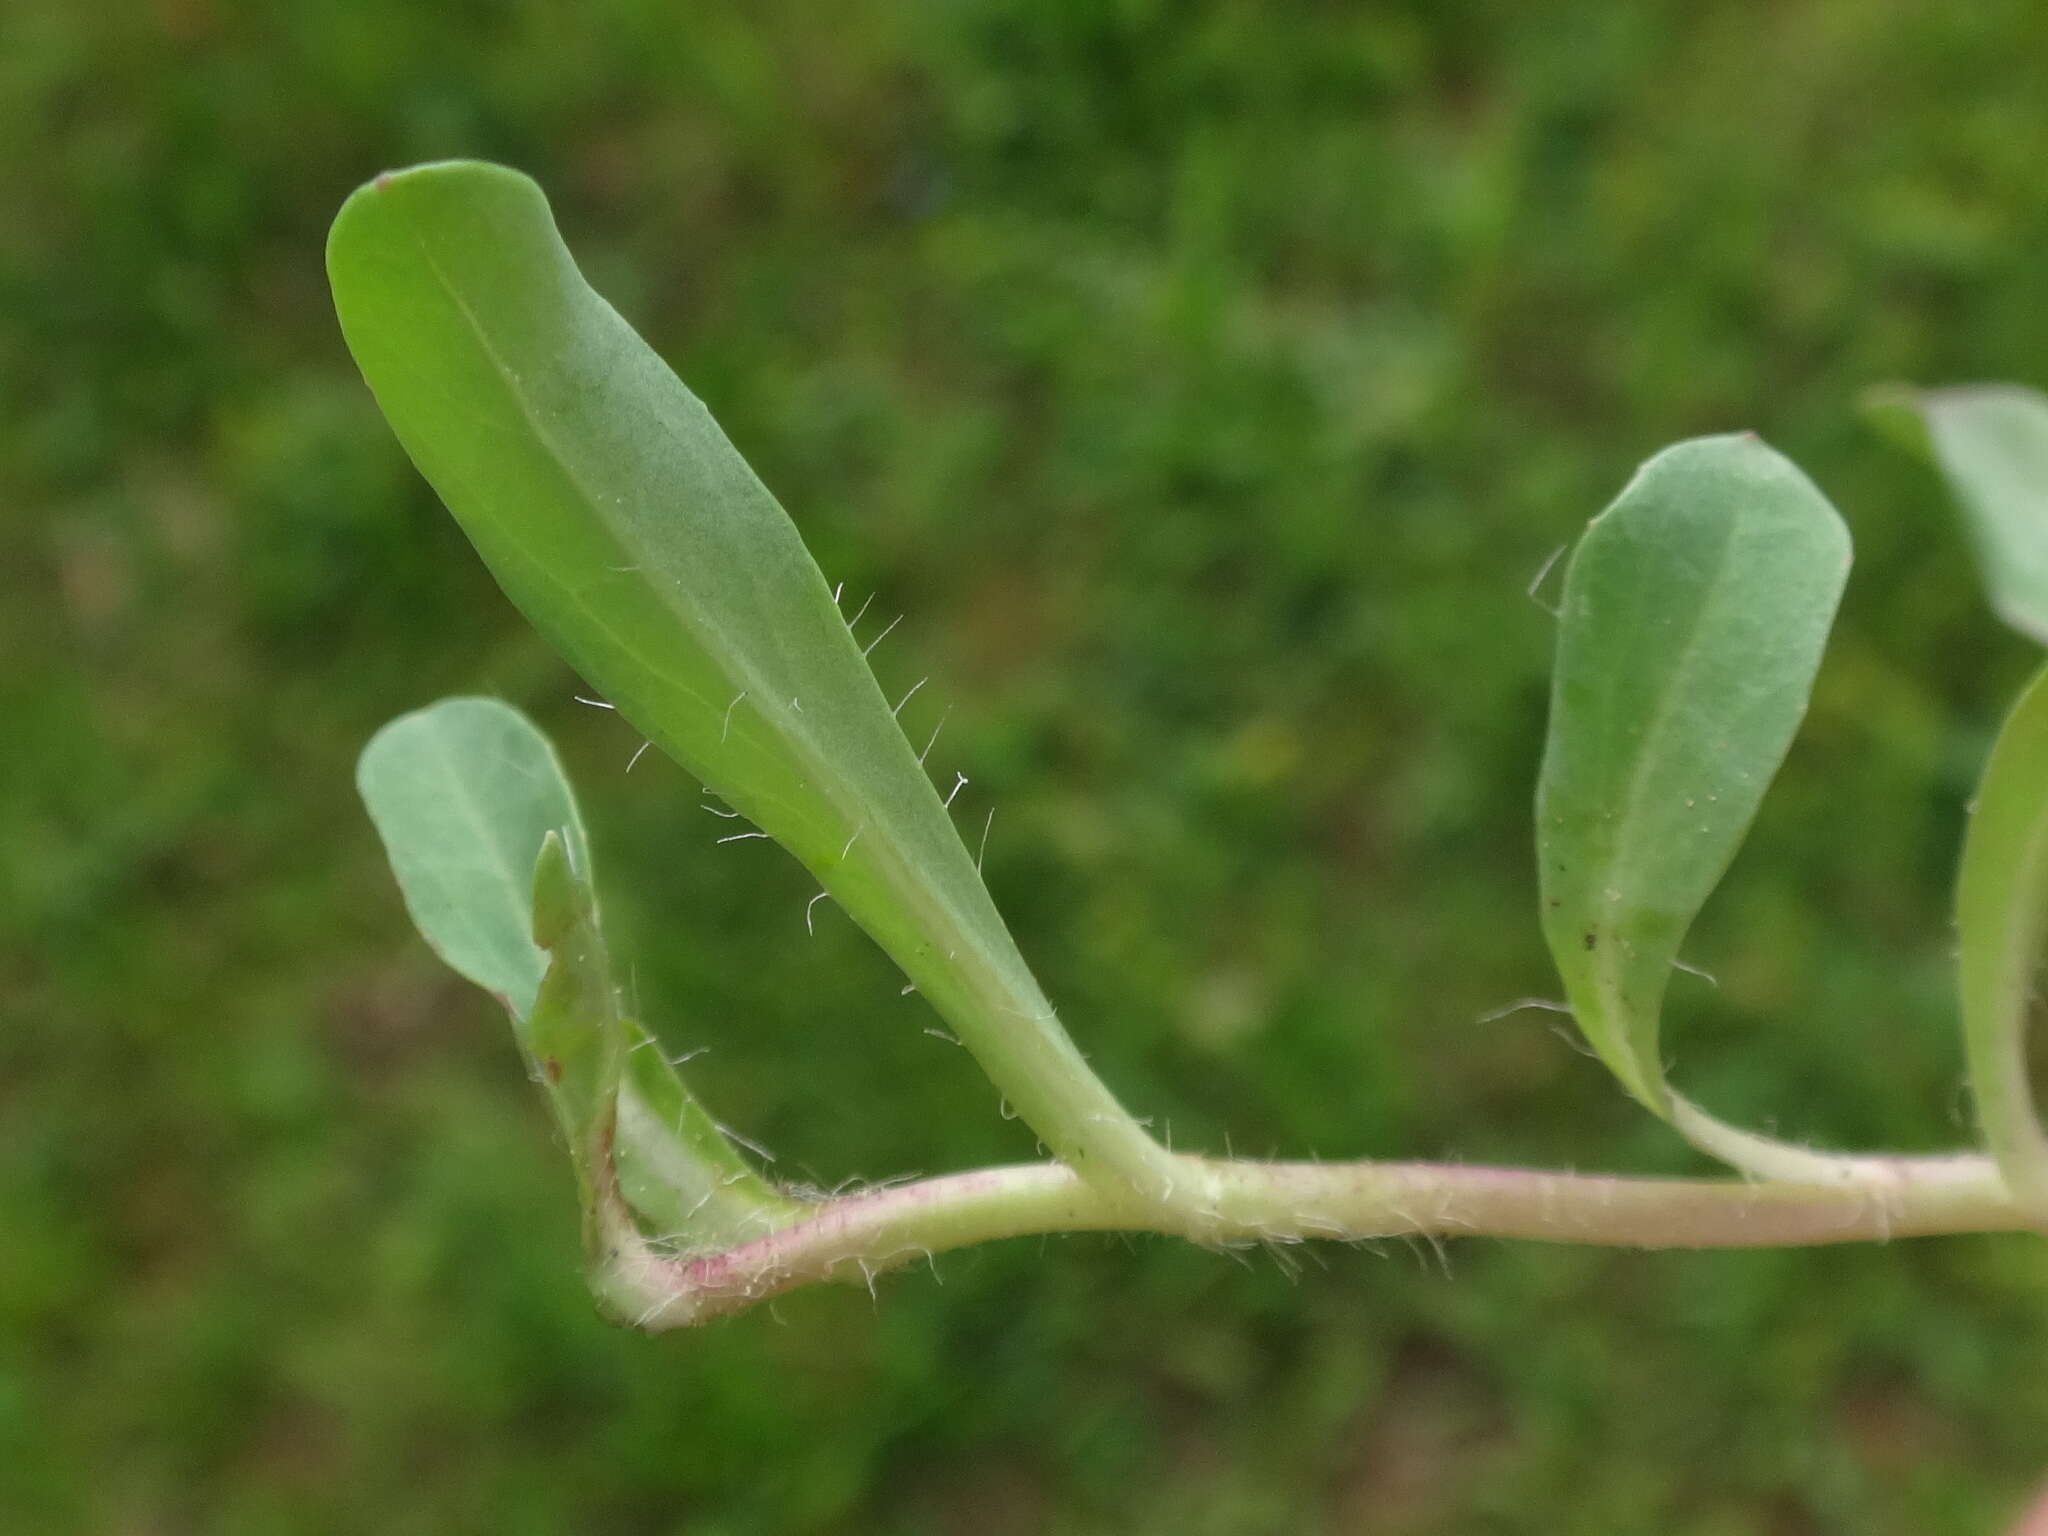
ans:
x=1991 y=443
x=618 y=517
x=2002 y=920
x=463 y=793
x=1695 y=611
x=488 y=845
x=573 y=1037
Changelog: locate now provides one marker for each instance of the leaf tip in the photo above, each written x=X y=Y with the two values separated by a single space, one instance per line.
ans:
x=424 y=192
x=1897 y=413
x=554 y=891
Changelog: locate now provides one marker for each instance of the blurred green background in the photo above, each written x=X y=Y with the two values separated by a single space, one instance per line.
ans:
x=1204 y=382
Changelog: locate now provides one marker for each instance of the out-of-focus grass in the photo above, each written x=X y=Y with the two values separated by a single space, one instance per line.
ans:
x=1204 y=382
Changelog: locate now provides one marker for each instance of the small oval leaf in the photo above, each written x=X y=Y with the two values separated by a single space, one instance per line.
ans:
x=2002 y=922
x=1695 y=611
x=487 y=842
x=463 y=793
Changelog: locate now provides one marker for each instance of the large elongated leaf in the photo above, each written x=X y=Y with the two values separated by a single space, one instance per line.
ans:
x=618 y=517
x=1991 y=443
x=488 y=844
x=1695 y=610
x=2002 y=921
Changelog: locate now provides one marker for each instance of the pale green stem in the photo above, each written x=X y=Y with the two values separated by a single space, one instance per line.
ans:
x=1766 y=1157
x=1747 y=1152
x=865 y=1234
x=1998 y=965
x=2005 y=1105
x=987 y=993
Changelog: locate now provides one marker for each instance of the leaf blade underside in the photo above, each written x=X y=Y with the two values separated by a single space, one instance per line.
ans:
x=1695 y=610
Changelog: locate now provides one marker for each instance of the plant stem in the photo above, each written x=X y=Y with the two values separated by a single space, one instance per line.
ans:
x=866 y=1234
x=1767 y=1157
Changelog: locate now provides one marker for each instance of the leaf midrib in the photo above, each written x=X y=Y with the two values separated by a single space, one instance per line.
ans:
x=710 y=637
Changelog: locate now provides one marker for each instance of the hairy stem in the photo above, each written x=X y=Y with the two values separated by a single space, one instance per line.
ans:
x=863 y=1235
